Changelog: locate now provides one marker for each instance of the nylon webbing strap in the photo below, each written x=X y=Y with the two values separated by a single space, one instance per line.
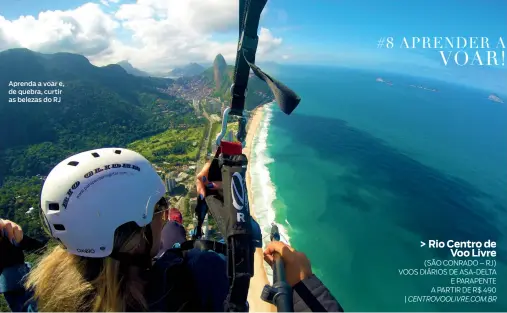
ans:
x=240 y=269
x=247 y=47
x=242 y=13
x=232 y=215
x=239 y=231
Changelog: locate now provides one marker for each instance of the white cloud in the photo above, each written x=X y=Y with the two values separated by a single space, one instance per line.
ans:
x=267 y=42
x=85 y=30
x=133 y=11
x=153 y=35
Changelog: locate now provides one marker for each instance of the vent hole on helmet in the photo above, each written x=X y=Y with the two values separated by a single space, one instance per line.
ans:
x=59 y=227
x=95 y=154
x=117 y=151
x=73 y=163
x=54 y=207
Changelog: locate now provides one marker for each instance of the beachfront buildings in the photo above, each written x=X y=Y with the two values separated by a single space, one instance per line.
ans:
x=170 y=185
x=214 y=105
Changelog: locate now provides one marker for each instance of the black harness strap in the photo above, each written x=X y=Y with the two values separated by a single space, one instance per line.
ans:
x=249 y=17
x=286 y=98
x=229 y=161
x=242 y=14
x=230 y=165
x=240 y=263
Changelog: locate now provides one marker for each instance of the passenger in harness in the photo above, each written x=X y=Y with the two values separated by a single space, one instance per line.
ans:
x=105 y=208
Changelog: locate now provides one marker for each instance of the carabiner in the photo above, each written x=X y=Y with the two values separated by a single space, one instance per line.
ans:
x=225 y=119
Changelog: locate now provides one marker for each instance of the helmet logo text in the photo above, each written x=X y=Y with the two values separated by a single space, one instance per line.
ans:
x=93 y=172
x=86 y=250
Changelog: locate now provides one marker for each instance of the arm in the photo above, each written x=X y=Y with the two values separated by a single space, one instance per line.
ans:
x=310 y=295
x=13 y=268
x=11 y=286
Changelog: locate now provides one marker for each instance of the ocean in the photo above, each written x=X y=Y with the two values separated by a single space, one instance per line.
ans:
x=363 y=171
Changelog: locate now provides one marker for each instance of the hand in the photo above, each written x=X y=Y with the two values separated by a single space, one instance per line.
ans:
x=11 y=231
x=297 y=266
x=11 y=235
x=202 y=181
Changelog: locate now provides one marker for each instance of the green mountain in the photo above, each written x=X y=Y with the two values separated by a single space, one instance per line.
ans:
x=98 y=106
x=220 y=72
x=131 y=69
x=220 y=76
x=188 y=70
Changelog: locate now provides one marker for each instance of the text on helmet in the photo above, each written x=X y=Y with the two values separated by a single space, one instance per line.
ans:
x=96 y=171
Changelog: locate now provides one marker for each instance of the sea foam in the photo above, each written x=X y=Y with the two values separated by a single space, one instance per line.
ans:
x=263 y=188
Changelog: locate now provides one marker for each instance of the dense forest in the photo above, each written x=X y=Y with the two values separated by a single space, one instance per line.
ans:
x=17 y=196
x=100 y=106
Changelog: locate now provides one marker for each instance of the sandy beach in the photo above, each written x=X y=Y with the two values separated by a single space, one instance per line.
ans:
x=252 y=128
x=260 y=278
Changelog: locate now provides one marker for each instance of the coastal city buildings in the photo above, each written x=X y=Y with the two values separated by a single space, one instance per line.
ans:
x=190 y=89
x=181 y=177
x=214 y=105
x=170 y=185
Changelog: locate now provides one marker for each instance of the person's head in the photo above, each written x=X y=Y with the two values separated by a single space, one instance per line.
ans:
x=103 y=206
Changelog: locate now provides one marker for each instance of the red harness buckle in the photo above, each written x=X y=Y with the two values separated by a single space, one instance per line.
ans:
x=231 y=148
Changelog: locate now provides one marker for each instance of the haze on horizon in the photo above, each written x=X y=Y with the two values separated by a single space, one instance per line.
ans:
x=159 y=35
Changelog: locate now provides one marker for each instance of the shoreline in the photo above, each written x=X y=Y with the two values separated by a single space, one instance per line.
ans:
x=260 y=278
x=252 y=129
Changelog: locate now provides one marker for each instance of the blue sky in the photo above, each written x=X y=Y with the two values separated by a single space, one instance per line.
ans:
x=346 y=32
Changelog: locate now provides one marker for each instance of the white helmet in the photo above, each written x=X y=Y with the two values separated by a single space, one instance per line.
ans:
x=87 y=196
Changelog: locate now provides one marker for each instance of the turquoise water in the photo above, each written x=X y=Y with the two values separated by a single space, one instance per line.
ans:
x=362 y=172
